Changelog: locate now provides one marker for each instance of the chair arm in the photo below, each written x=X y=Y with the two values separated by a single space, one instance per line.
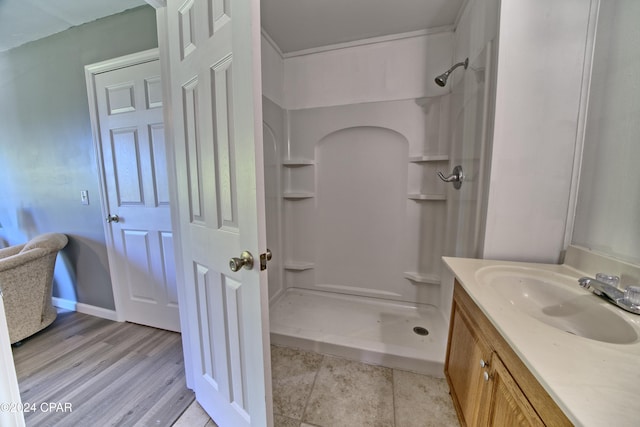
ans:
x=11 y=250
x=27 y=293
x=19 y=259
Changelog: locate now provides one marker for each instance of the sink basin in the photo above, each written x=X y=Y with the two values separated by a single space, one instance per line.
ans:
x=557 y=300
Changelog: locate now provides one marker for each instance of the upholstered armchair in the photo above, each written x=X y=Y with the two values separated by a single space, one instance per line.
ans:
x=26 y=281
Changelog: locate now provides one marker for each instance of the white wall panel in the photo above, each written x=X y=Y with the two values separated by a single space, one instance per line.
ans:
x=272 y=72
x=540 y=63
x=370 y=94
x=45 y=112
x=363 y=210
x=273 y=135
x=609 y=200
x=391 y=70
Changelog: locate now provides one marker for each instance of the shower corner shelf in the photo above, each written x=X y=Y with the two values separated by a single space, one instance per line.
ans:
x=298 y=195
x=298 y=265
x=294 y=163
x=427 y=197
x=429 y=158
x=432 y=279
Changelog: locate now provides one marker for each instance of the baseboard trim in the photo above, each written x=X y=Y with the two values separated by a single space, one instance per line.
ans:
x=97 y=311
x=85 y=308
x=64 y=303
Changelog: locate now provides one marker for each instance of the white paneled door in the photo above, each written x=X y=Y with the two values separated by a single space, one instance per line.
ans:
x=136 y=195
x=214 y=56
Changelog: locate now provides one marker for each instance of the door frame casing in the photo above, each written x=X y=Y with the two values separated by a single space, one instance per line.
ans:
x=91 y=71
x=9 y=390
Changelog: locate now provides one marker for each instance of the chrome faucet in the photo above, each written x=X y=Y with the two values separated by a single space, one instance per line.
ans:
x=628 y=299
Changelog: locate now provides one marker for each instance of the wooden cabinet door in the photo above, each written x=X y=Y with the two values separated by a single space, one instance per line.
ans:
x=466 y=349
x=489 y=395
x=506 y=404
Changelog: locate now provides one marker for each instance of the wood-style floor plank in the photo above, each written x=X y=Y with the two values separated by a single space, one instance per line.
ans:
x=112 y=373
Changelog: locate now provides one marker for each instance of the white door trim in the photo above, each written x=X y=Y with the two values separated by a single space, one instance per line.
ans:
x=90 y=72
x=9 y=391
x=582 y=122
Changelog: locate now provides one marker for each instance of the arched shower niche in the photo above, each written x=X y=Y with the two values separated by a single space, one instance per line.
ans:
x=358 y=217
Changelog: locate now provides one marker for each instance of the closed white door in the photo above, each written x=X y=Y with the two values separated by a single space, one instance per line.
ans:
x=140 y=240
x=214 y=55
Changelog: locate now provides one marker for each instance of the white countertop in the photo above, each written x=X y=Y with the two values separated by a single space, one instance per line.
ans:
x=594 y=383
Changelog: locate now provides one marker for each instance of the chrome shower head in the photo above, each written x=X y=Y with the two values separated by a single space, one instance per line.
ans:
x=441 y=80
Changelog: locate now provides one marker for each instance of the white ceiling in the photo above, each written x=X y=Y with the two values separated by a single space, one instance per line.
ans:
x=303 y=24
x=293 y=24
x=22 y=21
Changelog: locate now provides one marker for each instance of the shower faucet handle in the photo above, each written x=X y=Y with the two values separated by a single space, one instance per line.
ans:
x=456 y=177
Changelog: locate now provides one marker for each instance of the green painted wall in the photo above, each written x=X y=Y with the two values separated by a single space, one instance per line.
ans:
x=46 y=147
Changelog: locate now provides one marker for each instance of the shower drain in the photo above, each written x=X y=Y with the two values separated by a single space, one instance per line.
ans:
x=420 y=330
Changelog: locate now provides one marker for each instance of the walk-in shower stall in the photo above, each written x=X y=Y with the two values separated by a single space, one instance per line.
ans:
x=357 y=217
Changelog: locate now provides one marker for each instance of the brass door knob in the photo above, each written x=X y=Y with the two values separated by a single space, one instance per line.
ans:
x=245 y=261
x=113 y=218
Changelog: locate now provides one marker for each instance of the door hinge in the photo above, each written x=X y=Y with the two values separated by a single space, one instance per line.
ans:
x=264 y=258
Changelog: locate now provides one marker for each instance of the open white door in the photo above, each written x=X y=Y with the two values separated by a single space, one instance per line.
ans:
x=214 y=55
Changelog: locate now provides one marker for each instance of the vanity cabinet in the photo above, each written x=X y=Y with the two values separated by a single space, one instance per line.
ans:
x=506 y=404
x=489 y=384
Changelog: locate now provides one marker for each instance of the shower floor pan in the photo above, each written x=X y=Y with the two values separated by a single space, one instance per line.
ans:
x=370 y=330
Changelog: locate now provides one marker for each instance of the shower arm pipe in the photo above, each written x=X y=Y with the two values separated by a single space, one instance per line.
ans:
x=464 y=63
x=441 y=80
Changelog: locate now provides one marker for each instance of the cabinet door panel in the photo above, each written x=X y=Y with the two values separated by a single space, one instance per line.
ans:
x=466 y=349
x=510 y=393
x=508 y=406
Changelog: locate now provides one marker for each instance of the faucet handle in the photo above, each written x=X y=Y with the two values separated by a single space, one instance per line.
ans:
x=632 y=294
x=609 y=279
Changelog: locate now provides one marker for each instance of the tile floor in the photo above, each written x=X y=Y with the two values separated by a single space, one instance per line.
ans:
x=311 y=389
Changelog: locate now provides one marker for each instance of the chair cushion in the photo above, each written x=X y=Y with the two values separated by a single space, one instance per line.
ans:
x=48 y=241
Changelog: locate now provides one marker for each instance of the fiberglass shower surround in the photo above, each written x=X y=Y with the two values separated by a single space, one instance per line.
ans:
x=363 y=225
x=358 y=213
x=357 y=217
